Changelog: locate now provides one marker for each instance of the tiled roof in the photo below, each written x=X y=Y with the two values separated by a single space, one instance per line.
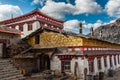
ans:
x=9 y=30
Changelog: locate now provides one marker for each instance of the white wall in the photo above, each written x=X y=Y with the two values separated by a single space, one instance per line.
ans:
x=83 y=63
x=35 y=26
x=102 y=64
x=80 y=67
x=108 y=62
x=95 y=66
x=55 y=63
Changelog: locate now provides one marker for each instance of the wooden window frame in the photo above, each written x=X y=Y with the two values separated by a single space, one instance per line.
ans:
x=64 y=65
x=115 y=60
x=118 y=59
x=99 y=64
x=105 y=62
x=111 y=62
x=91 y=66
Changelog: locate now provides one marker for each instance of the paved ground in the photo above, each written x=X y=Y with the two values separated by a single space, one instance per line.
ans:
x=115 y=77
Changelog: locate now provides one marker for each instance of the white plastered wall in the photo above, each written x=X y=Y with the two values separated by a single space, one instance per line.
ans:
x=35 y=26
x=82 y=64
x=55 y=63
x=102 y=64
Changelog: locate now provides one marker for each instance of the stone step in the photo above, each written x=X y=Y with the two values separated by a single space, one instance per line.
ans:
x=9 y=75
x=19 y=78
x=5 y=63
x=15 y=77
x=9 y=72
x=5 y=60
x=8 y=69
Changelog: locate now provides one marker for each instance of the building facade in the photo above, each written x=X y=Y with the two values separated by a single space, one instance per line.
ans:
x=28 y=23
x=55 y=49
x=8 y=36
x=65 y=51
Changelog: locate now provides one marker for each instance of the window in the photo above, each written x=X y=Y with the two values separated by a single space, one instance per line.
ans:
x=91 y=66
x=37 y=39
x=21 y=28
x=99 y=64
x=29 y=27
x=118 y=60
x=105 y=62
x=66 y=65
x=111 y=61
x=115 y=60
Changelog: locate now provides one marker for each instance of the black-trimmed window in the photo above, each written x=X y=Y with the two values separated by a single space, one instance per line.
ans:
x=118 y=60
x=115 y=60
x=111 y=62
x=105 y=62
x=37 y=39
x=99 y=64
x=91 y=66
x=67 y=65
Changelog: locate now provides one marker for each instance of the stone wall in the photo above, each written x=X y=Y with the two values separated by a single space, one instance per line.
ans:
x=12 y=37
x=26 y=65
x=52 y=39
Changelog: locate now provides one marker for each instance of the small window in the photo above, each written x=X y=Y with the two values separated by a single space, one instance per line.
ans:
x=91 y=66
x=118 y=60
x=29 y=27
x=37 y=39
x=111 y=62
x=99 y=64
x=66 y=65
x=115 y=60
x=105 y=62
x=21 y=28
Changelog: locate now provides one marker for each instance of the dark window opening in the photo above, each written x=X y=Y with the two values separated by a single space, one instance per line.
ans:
x=105 y=62
x=29 y=27
x=66 y=66
x=118 y=60
x=91 y=66
x=115 y=60
x=99 y=64
x=37 y=39
x=111 y=62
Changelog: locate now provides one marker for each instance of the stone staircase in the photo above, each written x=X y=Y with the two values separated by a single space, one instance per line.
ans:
x=8 y=71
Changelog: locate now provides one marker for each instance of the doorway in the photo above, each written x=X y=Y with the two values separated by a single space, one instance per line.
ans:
x=43 y=62
x=3 y=50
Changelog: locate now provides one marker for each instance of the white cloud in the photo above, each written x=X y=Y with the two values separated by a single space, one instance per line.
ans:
x=7 y=10
x=87 y=6
x=41 y=2
x=113 y=8
x=94 y=25
x=57 y=10
x=60 y=9
x=71 y=25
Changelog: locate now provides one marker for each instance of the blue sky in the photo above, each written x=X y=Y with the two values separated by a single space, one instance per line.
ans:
x=91 y=12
